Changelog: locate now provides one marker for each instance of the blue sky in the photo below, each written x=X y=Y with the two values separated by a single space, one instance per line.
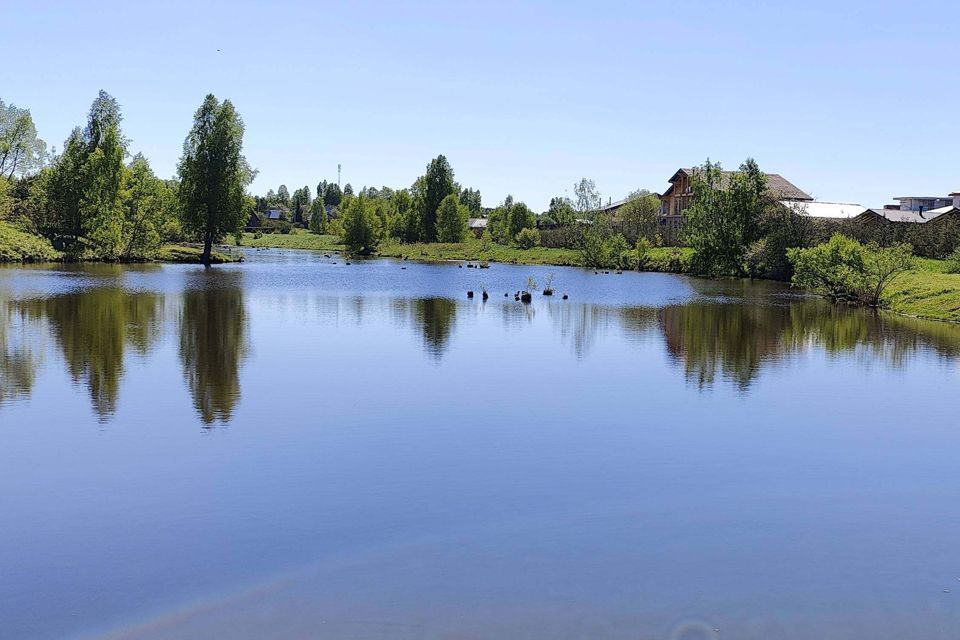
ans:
x=852 y=101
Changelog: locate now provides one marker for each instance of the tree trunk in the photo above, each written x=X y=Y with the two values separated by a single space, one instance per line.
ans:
x=207 y=250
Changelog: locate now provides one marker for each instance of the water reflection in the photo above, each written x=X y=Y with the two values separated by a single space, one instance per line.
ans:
x=432 y=318
x=734 y=341
x=18 y=360
x=731 y=333
x=213 y=343
x=92 y=328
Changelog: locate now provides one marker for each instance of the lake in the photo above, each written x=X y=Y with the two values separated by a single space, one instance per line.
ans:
x=298 y=447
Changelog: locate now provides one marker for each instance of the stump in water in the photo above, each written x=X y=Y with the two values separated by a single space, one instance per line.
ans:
x=485 y=295
x=526 y=297
x=548 y=292
x=565 y=296
x=469 y=294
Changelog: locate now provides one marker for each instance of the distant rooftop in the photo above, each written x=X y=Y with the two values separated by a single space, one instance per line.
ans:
x=835 y=210
x=776 y=184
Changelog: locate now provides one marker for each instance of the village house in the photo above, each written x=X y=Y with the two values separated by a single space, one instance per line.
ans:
x=679 y=196
x=477 y=226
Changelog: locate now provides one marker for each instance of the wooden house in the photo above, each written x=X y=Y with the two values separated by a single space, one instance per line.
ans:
x=679 y=195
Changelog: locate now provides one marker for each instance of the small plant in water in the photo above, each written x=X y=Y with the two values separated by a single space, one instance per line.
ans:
x=548 y=285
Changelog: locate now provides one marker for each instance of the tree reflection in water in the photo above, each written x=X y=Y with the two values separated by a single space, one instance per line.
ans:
x=734 y=341
x=18 y=361
x=433 y=318
x=213 y=342
x=93 y=327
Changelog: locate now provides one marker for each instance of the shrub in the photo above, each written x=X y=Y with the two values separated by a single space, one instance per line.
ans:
x=643 y=247
x=953 y=261
x=286 y=227
x=528 y=238
x=603 y=249
x=361 y=230
x=845 y=270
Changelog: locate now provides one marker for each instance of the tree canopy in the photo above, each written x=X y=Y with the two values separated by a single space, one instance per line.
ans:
x=213 y=174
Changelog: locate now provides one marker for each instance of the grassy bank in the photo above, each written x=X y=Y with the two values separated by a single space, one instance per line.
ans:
x=472 y=249
x=927 y=291
x=296 y=239
x=20 y=246
x=184 y=254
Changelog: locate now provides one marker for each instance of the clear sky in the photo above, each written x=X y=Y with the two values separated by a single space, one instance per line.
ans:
x=854 y=101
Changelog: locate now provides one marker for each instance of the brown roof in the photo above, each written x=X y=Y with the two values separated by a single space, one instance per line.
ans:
x=779 y=186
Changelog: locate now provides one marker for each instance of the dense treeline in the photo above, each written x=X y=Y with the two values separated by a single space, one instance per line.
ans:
x=96 y=200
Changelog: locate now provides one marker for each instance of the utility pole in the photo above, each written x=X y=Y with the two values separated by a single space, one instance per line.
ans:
x=338 y=174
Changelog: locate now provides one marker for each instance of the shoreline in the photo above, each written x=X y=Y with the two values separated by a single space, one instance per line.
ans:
x=928 y=292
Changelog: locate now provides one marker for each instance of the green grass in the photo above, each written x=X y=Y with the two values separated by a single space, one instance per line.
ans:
x=927 y=291
x=472 y=249
x=20 y=246
x=296 y=239
x=184 y=254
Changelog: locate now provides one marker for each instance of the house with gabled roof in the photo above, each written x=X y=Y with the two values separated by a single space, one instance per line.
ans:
x=679 y=195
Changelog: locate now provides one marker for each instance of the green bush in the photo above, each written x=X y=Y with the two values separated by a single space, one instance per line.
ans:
x=286 y=228
x=845 y=270
x=602 y=249
x=953 y=261
x=528 y=238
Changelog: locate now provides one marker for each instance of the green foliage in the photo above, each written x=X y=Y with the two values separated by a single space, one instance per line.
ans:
x=83 y=188
x=725 y=218
x=509 y=219
x=283 y=196
x=213 y=174
x=586 y=197
x=782 y=228
x=318 y=217
x=451 y=220
x=300 y=204
x=431 y=189
x=332 y=195
x=21 y=151
x=19 y=246
x=561 y=211
x=470 y=198
x=638 y=217
x=528 y=238
x=603 y=249
x=361 y=232
x=953 y=261
x=145 y=202
x=642 y=247
x=6 y=198
x=846 y=271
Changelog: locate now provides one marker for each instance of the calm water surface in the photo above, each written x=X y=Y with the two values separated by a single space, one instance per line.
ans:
x=295 y=447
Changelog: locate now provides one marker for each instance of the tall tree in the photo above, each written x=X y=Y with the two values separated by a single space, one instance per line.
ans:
x=318 y=216
x=21 y=151
x=438 y=184
x=84 y=188
x=283 y=195
x=725 y=217
x=561 y=211
x=470 y=198
x=213 y=174
x=145 y=201
x=451 y=219
x=348 y=189
x=586 y=197
x=361 y=232
x=332 y=195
